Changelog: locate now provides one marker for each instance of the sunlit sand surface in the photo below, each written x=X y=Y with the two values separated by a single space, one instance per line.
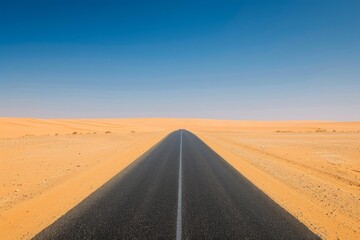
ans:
x=311 y=168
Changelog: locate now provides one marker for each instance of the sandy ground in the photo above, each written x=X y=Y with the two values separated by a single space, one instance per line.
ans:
x=48 y=166
x=315 y=176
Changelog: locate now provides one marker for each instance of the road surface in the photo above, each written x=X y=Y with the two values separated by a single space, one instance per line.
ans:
x=179 y=189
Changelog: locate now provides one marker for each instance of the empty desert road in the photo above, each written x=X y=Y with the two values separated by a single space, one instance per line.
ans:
x=179 y=189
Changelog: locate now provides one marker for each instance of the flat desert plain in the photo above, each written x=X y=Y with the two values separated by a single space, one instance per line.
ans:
x=310 y=168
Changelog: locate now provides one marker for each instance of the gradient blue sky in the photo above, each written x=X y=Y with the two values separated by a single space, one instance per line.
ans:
x=264 y=60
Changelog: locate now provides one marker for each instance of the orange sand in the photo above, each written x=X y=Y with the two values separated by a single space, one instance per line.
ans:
x=45 y=169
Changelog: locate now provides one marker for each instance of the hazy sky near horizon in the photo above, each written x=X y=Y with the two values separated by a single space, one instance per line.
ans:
x=263 y=60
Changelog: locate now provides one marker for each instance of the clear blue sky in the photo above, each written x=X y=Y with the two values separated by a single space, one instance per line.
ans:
x=264 y=60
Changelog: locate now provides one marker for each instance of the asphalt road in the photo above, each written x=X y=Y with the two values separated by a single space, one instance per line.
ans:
x=179 y=189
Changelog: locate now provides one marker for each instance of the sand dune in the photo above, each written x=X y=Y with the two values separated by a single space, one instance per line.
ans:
x=311 y=168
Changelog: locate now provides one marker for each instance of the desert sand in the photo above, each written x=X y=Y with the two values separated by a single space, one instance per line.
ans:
x=314 y=176
x=310 y=168
x=49 y=166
